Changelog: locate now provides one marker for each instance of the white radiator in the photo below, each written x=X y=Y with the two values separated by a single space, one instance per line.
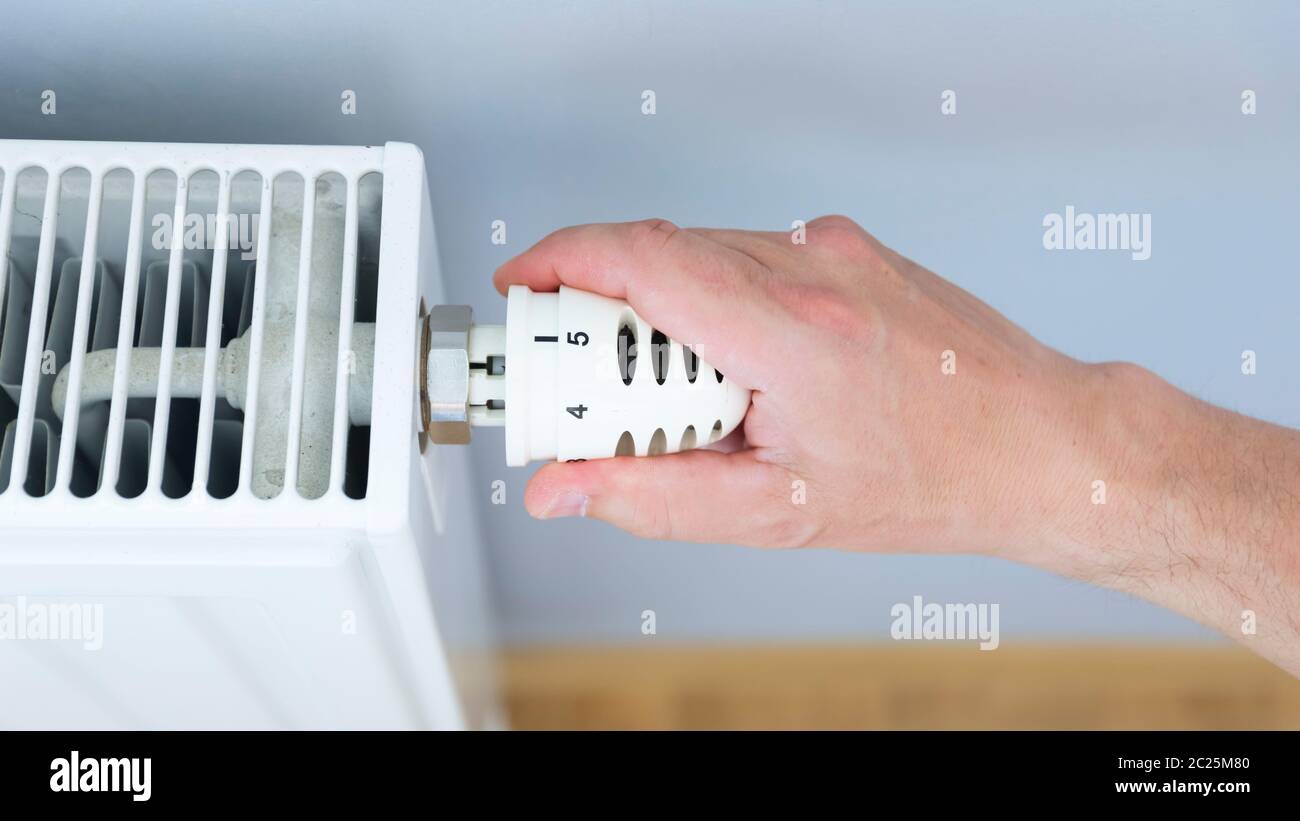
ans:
x=215 y=507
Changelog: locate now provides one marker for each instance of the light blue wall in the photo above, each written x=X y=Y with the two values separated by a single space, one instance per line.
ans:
x=530 y=112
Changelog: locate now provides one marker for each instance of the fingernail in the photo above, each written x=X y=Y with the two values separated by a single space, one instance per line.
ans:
x=567 y=503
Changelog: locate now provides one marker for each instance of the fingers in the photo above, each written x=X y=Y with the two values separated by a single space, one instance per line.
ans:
x=699 y=496
x=702 y=293
x=601 y=257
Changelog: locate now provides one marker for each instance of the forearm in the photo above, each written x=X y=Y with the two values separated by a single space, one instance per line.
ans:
x=1200 y=512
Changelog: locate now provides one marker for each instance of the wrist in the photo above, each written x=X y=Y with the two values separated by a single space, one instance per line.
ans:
x=1103 y=483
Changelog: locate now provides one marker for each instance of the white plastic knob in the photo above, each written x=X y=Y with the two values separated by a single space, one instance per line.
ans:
x=586 y=378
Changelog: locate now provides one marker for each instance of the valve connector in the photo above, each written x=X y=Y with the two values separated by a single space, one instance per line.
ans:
x=462 y=374
x=564 y=378
x=444 y=373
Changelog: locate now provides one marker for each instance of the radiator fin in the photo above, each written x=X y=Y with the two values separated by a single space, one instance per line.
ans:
x=107 y=271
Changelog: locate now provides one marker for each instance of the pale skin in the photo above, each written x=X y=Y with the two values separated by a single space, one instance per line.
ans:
x=918 y=419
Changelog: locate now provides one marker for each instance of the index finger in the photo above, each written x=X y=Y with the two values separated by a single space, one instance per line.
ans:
x=696 y=291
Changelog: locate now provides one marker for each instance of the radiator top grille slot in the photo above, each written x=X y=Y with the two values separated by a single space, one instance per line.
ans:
x=171 y=329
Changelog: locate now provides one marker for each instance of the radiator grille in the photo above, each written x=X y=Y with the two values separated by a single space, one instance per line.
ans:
x=162 y=256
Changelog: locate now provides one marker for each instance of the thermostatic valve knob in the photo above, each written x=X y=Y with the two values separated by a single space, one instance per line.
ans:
x=572 y=375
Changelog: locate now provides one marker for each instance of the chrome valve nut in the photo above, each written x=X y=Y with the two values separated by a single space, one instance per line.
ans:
x=445 y=373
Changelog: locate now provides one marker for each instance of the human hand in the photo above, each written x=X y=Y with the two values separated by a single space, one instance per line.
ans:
x=891 y=410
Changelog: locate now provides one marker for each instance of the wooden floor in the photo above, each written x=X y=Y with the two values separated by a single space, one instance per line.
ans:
x=898 y=687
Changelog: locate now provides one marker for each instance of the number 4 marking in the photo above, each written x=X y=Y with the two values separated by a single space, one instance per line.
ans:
x=577 y=411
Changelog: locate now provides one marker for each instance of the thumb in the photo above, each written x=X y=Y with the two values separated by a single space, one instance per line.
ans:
x=697 y=496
